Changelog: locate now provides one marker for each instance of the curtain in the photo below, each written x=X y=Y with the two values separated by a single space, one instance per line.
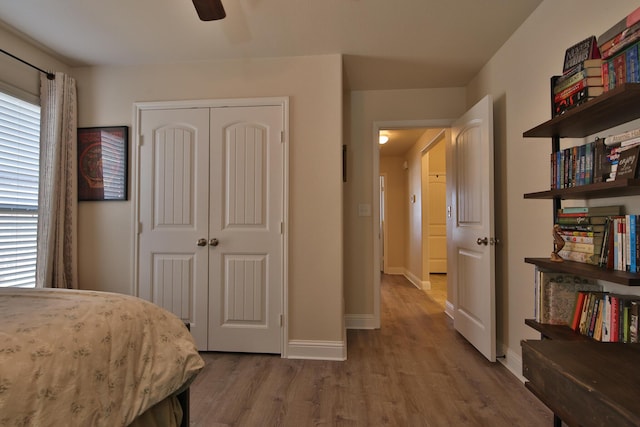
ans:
x=56 y=263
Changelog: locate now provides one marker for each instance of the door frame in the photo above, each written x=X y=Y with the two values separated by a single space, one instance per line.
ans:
x=283 y=102
x=377 y=127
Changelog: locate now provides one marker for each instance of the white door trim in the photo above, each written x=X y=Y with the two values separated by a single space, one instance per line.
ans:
x=377 y=126
x=139 y=107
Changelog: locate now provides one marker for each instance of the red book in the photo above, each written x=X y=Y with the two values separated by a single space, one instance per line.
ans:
x=615 y=312
x=578 y=311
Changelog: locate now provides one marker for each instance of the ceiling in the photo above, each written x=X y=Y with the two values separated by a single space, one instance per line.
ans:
x=401 y=44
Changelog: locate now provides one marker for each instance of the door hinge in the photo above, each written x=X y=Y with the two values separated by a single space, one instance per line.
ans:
x=282 y=136
x=281 y=227
x=281 y=320
x=140 y=139
x=139 y=228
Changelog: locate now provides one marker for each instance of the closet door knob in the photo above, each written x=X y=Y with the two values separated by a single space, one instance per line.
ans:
x=213 y=242
x=202 y=242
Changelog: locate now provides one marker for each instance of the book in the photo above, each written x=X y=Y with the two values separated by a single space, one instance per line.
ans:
x=580 y=87
x=579 y=52
x=586 y=258
x=615 y=30
x=621 y=137
x=582 y=325
x=633 y=322
x=577 y=310
x=588 y=248
x=591 y=210
x=581 y=219
x=582 y=227
x=580 y=77
x=628 y=163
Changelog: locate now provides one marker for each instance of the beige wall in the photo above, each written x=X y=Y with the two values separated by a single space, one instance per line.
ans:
x=106 y=96
x=415 y=250
x=365 y=109
x=18 y=75
x=518 y=78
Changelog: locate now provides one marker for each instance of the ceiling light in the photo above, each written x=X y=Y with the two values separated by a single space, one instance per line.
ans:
x=383 y=139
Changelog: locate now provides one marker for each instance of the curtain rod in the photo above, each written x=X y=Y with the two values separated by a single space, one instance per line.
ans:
x=49 y=75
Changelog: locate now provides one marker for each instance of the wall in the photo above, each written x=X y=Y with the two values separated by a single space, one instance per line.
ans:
x=106 y=96
x=19 y=76
x=365 y=109
x=395 y=213
x=518 y=78
x=416 y=251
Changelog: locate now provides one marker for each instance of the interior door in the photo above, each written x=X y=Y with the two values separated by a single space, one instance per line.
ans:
x=471 y=225
x=246 y=221
x=174 y=214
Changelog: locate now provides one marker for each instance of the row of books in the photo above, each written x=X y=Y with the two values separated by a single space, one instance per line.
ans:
x=606 y=317
x=583 y=305
x=618 y=47
x=611 y=241
x=596 y=161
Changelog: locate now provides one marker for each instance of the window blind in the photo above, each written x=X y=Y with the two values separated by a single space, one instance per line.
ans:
x=19 y=171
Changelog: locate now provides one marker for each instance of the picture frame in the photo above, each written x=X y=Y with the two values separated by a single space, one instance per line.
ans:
x=103 y=163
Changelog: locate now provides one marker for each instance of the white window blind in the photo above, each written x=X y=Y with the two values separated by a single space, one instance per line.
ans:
x=19 y=170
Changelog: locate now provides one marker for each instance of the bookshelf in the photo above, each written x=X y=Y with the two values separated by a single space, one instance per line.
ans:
x=550 y=364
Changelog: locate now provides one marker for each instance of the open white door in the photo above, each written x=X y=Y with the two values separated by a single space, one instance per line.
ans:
x=471 y=249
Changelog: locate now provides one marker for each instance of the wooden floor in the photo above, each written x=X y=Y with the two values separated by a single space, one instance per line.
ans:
x=414 y=371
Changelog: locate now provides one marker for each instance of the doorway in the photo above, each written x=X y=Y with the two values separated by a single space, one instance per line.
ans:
x=412 y=230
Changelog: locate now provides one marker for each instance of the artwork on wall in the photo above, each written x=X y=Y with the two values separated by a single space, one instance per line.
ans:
x=102 y=163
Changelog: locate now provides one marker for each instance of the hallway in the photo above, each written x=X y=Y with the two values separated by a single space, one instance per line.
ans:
x=414 y=371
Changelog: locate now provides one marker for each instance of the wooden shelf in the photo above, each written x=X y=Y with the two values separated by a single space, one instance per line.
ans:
x=617 y=188
x=587 y=270
x=613 y=108
x=556 y=332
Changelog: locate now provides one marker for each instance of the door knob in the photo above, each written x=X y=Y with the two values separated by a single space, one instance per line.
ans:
x=484 y=241
x=202 y=242
x=213 y=242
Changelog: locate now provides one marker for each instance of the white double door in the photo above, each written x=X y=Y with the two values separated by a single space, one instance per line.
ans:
x=211 y=222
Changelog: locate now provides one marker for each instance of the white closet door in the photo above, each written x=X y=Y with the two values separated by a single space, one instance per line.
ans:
x=246 y=214
x=174 y=214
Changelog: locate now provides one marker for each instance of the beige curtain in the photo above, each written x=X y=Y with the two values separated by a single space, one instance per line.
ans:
x=56 y=264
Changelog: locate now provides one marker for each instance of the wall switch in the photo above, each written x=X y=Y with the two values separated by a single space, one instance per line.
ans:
x=364 y=209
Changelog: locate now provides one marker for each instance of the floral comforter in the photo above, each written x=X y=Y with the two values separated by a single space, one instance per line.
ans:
x=85 y=358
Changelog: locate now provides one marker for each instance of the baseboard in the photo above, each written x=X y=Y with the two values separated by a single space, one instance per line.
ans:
x=360 y=321
x=448 y=309
x=416 y=281
x=394 y=271
x=317 y=350
x=513 y=362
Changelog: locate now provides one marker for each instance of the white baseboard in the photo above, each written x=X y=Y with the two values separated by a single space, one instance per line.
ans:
x=395 y=270
x=513 y=362
x=317 y=350
x=360 y=321
x=448 y=309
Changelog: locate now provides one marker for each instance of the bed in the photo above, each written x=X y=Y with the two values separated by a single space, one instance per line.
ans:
x=86 y=358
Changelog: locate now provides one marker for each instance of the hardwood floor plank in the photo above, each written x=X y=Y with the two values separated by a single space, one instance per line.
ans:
x=416 y=370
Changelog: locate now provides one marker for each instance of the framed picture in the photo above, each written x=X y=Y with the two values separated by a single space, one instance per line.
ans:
x=102 y=163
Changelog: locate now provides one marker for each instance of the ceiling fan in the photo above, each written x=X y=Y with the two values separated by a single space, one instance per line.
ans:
x=209 y=10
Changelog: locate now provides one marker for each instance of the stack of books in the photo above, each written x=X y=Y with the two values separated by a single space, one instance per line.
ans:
x=581 y=78
x=619 y=51
x=609 y=151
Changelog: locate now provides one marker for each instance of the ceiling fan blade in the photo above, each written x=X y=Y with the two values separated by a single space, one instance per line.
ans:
x=209 y=10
